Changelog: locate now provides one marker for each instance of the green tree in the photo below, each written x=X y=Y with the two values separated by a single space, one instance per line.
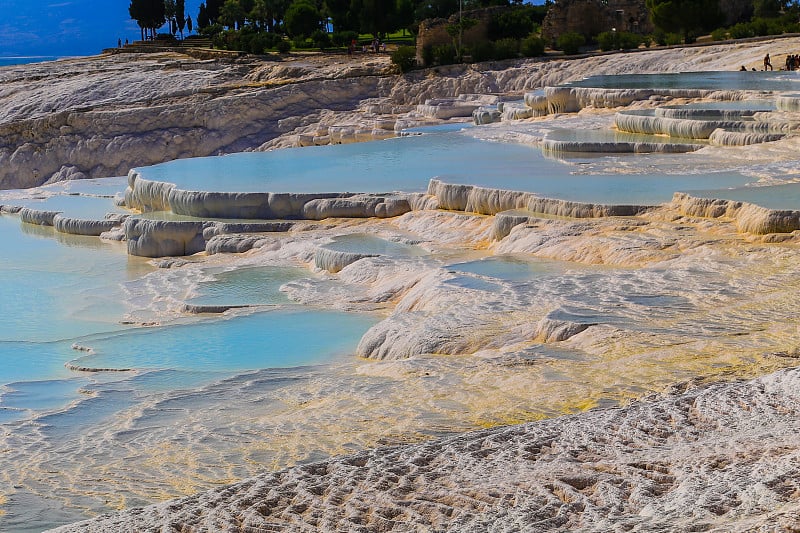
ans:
x=302 y=18
x=515 y=23
x=232 y=15
x=148 y=14
x=456 y=32
x=180 y=15
x=687 y=17
x=767 y=8
x=259 y=13
x=213 y=8
x=171 y=14
x=276 y=10
x=404 y=16
x=435 y=9
x=341 y=15
x=377 y=16
x=202 y=18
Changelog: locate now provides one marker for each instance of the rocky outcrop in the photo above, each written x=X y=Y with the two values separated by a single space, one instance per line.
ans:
x=136 y=110
x=102 y=134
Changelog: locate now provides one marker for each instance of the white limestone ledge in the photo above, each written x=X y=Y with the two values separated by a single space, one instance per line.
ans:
x=573 y=99
x=557 y=146
x=334 y=260
x=10 y=209
x=71 y=225
x=723 y=137
x=487 y=201
x=146 y=195
x=788 y=102
x=461 y=106
x=749 y=218
x=37 y=217
x=94 y=228
x=162 y=238
x=683 y=128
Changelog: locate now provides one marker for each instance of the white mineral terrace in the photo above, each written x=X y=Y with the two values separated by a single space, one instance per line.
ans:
x=531 y=362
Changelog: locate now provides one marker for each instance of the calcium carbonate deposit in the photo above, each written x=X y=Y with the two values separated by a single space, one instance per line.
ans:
x=462 y=356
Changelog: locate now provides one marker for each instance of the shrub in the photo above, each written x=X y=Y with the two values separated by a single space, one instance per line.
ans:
x=263 y=41
x=283 y=46
x=482 y=51
x=720 y=34
x=741 y=31
x=515 y=23
x=211 y=31
x=165 y=38
x=607 y=41
x=532 y=46
x=673 y=39
x=321 y=39
x=299 y=42
x=444 y=54
x=343 y=38
x=570 y=42
x=405 y=57
x=506 y=49
x=628 y=40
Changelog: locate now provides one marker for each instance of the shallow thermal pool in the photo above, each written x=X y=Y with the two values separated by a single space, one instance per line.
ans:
x=81 y=301
x=714 y=80
x=408 y=163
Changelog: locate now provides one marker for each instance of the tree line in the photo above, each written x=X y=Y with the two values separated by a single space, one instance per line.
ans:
x=260 y=25
x=304 y=17
x=151 y=15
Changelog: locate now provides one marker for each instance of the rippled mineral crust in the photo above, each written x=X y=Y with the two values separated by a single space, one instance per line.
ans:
x=718 y=458
x=719 y=304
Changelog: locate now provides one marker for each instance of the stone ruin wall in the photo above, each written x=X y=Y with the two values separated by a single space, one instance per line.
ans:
x=433 y=32
x=590 y=17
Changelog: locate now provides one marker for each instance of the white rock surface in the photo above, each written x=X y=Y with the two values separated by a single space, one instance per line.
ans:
x=719 y=458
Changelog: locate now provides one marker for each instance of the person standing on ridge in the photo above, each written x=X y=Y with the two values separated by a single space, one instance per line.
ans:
x=767 y=62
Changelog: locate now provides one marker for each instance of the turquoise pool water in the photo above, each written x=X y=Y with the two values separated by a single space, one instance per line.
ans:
x=364 y=243
x=784 y=196
x=246 y=286
x=512 y=267
x=408 y=163
x=271 y=339
x=62 y=292
x=720 y=80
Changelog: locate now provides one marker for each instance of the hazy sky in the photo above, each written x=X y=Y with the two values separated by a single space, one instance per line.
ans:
x=69 y=27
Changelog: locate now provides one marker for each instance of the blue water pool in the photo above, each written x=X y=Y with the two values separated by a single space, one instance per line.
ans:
x=720 y=80
x=408 y=163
